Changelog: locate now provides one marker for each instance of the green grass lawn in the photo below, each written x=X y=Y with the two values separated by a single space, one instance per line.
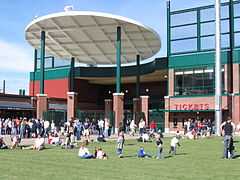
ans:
x=196 y=160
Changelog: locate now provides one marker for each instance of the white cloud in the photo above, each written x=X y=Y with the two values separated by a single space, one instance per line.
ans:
x=15 y=64
x=15 y=58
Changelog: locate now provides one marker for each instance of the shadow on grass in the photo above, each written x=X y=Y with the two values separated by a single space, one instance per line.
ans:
x=181 y=154
x=236 y=156
x=129 y=156
x=131 y=144
x=171 y=156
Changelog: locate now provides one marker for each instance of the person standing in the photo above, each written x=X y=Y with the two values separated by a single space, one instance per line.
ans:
x=159 y=144
x=132 y=127
x=228 y=128
x=120 y=143
x=101 y=126
x=106 y=127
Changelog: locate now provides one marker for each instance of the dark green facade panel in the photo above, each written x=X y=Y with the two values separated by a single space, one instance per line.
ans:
x=200 y=59
x=60 y=73
x=51 y=74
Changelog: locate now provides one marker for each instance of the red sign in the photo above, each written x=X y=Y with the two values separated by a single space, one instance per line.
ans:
x=191 y=106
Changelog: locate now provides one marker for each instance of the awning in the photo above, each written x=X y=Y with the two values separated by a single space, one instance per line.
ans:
x=8 y=105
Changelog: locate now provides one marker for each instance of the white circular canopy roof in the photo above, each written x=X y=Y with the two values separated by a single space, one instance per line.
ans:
x=90 y=37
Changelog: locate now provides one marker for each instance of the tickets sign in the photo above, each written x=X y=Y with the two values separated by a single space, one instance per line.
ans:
x=190 y=106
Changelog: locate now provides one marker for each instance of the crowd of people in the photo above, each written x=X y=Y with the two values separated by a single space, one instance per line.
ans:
x=69 y=135
x=194 y=129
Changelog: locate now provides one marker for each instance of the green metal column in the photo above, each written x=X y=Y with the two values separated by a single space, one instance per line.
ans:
x=168 y=36
x=35 y=69
x=138 y=77
x=198 y=31
x=71 y=75
x=230 y=60
x=118 y=70
x=53 y=62
x=168 y=28
x=42 y=65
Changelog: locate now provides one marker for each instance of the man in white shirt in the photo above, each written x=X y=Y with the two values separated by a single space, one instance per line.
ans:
x=101 y=126
x=173 y=144
x=84 y=152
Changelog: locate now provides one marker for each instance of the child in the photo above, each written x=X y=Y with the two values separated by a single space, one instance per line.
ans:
x=120 y=143
x=142 y=154
x=15 y=142
x=101 y=154
x=159 y=144
x=174 y=143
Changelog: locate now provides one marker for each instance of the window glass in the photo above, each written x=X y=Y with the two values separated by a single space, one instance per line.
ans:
x=237 y=9
x=48 y=62
x=207 y=42
x=184 y=18
x=225 y=26
x=225 y=41
x=184 y=32
x=225 y=11
x=207 y=14
x=62 y=62
x=194 y=81
x=237 y=39
x=237 y=24
x=207 y=28
x=184 y=45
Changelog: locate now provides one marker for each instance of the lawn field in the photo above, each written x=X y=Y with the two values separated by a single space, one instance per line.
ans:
x=196 y=160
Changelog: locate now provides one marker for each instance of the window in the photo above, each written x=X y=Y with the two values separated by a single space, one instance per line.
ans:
x=207 y=43
x=225 y=41
x=184 y=32
x=188 y=17
x=184 y=45
x=237 y=24
x=237 y=39
x=237 y=9
x=196 y=81
x=207 y=28
x=207 y=14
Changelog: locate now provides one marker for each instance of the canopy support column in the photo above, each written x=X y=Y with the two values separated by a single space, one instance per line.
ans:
x=42 y=103
x=118 y=97
x=71 y=95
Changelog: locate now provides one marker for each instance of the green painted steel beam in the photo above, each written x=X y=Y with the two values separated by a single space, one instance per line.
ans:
x=198 y=31
x=138 y=76
x=42 y=64
x=35 y=69
x=72 y=75
x=168 y=28
x=168 y=36
x=118 y=70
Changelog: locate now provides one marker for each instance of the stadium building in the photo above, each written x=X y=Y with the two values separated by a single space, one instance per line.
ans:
x=168 y=90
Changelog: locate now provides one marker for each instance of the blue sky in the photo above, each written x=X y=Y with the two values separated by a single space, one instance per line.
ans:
x=16 y=56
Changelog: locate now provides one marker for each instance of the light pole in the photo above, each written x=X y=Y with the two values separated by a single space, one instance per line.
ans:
x=218 y=79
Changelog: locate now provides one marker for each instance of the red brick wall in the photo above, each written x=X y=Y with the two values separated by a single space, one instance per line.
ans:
x=53 y=88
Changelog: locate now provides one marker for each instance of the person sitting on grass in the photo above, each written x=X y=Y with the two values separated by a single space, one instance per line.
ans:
x=120 y=143
x=38 y=145
x=173 y=145
x=84 y=152
x=142 y=154
x=101 y=154
x=3 y=144
x=159 y=144
x=15 y=142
